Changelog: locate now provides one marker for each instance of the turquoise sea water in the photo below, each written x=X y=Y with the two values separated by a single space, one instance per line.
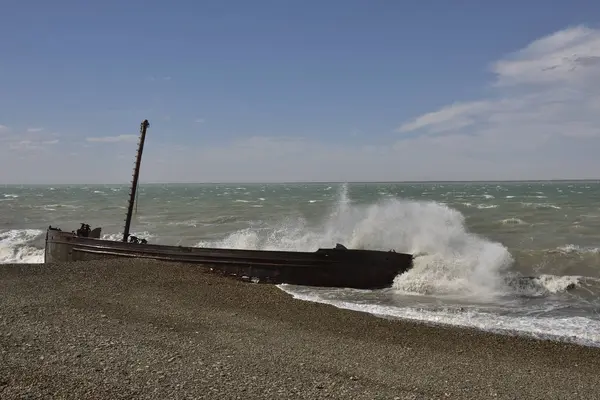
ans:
x=472 y=240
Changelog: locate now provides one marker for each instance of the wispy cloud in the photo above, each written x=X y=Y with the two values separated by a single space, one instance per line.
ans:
x=32 y=144
x=449 y=118
x=3 y=128
x=28 y=140
x=199 y=120
x=34 y=130
x=113 y=139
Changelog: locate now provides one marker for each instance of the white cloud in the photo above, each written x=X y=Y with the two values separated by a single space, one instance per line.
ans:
x=199 y=120
x=34 y=130
x=568 y=56
x=452 y=117
x=26 y=140
x=3 y=128
x=546 y=98
x=113 y=139
x=29 y=144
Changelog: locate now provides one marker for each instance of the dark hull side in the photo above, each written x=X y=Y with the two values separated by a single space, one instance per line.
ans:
x=363 y=269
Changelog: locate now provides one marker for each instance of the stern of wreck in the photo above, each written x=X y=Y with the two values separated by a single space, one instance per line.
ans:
x=59 y=245
x=55 y=249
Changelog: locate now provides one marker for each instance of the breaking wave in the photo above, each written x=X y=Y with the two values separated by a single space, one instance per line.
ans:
x=21 y=246
x=544 y=285
x=451 y=260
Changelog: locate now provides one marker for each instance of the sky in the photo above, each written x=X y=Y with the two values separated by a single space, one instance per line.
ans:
x=267 y=91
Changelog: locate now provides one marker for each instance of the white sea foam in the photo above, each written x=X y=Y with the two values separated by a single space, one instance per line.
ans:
x=545 y=284
x=190 y=222
x=16 y=246
x=119 y=235
x=573 y=248
x=557 y=284
x=480 y=206
x=540 y=205
x=513 y=221
x=579 y=330
x=486 y=206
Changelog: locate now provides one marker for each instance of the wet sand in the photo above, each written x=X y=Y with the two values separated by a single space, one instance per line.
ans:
x=144 y=329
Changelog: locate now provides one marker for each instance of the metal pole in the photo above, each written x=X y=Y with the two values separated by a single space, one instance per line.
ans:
x=134 y=183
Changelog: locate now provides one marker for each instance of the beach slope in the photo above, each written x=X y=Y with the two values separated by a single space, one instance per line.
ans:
x=145 y=329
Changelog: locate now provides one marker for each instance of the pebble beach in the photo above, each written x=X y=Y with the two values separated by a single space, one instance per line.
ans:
x=151 y=330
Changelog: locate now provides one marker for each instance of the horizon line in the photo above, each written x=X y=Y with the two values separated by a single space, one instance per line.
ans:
x=309 y=182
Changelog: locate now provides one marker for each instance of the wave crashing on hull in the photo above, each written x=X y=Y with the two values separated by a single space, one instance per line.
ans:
x=449 y=259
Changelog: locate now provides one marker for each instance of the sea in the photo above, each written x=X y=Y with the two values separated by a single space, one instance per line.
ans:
x=518 y=258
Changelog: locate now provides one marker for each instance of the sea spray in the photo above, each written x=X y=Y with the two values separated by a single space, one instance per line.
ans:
x=451 y=260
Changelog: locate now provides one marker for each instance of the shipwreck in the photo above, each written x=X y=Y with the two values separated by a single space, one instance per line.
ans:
x=331 y=267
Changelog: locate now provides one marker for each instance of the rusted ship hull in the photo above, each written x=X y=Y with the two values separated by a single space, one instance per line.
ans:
x=336 y=267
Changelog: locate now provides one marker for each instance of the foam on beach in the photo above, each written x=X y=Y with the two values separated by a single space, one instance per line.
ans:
x=577 y=330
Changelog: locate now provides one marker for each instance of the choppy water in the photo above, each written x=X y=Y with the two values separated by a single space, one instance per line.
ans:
x=472 y=241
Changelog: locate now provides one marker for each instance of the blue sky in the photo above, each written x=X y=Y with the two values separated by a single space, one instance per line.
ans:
x=299 y=90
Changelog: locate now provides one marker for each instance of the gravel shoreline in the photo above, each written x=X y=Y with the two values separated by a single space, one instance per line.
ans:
x=152 y=330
